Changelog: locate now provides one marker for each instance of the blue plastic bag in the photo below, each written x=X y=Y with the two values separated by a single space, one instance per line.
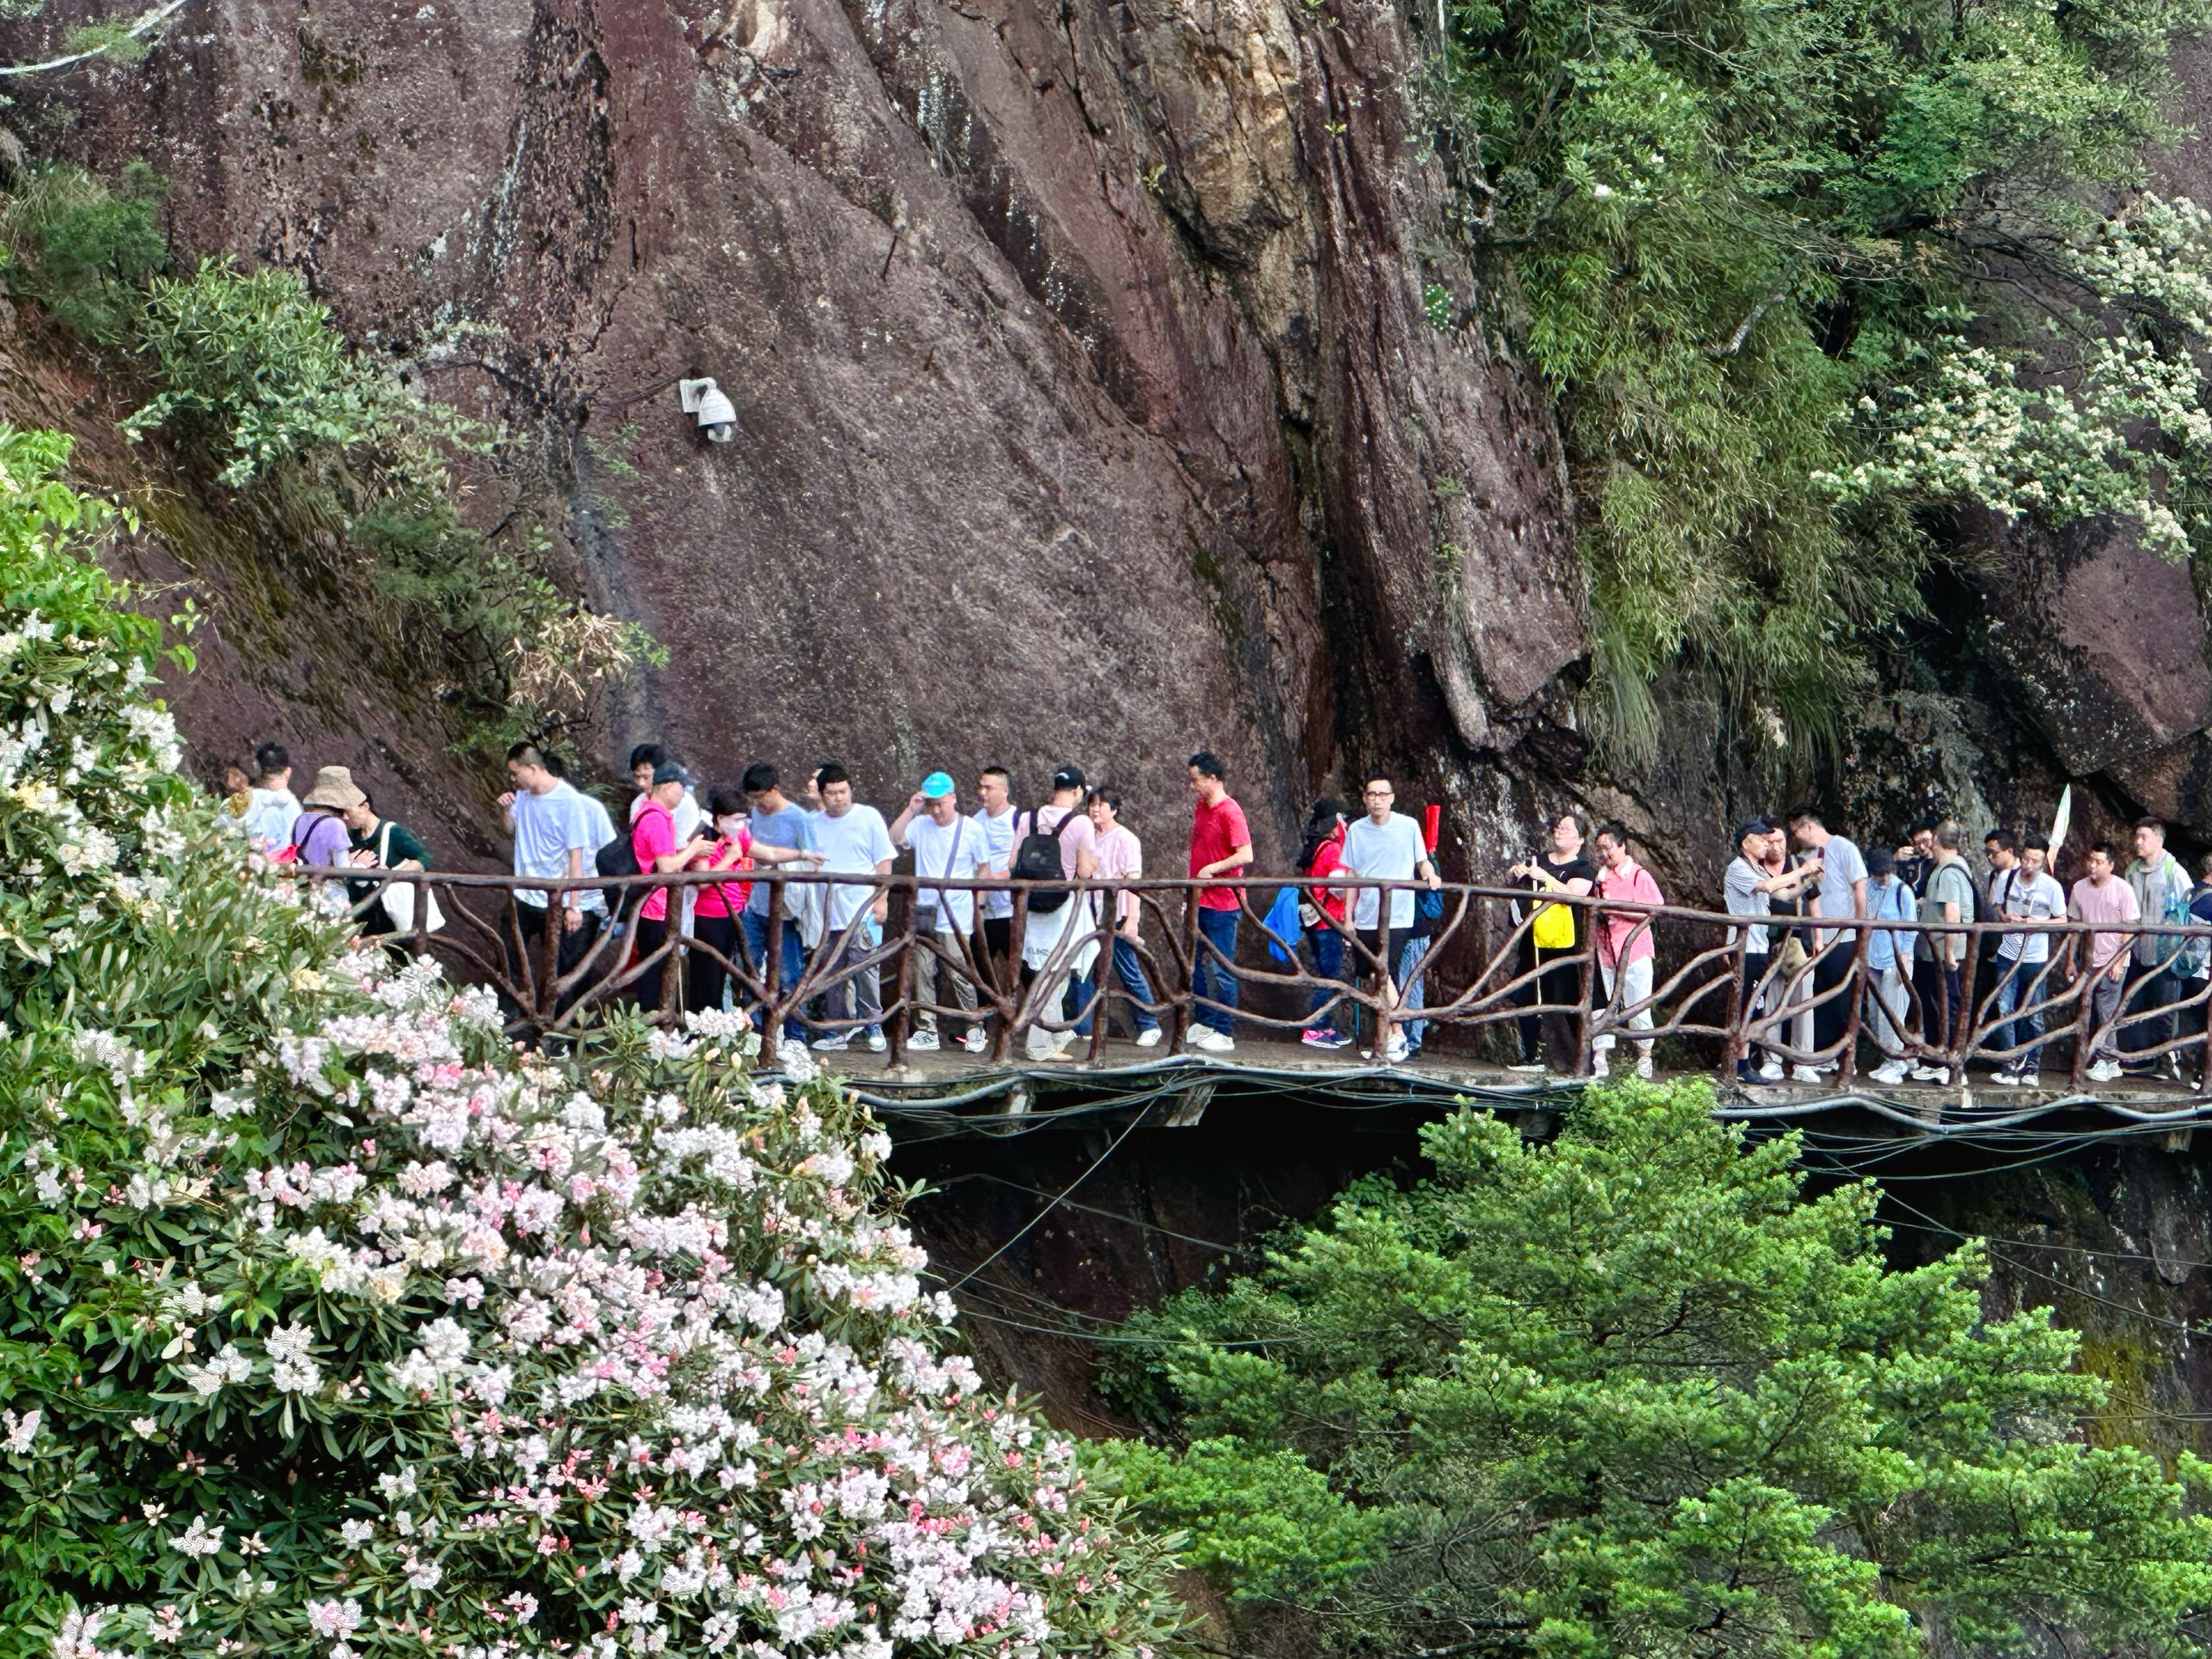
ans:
x=1283 y=924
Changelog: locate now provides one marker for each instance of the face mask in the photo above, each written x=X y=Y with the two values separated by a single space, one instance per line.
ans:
x=730 y=826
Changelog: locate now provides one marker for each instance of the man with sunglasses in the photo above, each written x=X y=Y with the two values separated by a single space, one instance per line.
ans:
x=1386 y=846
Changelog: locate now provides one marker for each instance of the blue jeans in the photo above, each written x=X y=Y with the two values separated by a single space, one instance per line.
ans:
x=1130 y=970
x=1213 y=979
x=794 y=963
x=1412 y=996
x=2014 y=989
x=1329 y=963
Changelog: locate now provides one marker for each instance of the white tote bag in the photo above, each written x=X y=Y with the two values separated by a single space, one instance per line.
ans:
x=399 y=895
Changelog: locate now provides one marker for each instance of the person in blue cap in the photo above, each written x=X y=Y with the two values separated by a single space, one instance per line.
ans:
x=948 y=847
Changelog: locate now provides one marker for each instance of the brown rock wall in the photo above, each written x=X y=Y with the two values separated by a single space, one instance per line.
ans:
x=2104 y=638
x=1089 y=408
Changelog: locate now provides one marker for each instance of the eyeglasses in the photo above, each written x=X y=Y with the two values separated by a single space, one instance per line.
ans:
x=1380 y=795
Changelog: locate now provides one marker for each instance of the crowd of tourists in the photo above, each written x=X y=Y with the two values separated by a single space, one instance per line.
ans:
x=1919 y=988
x=1929 y=983
x=1077 y=832
x=333 y=826
x=1913 y=986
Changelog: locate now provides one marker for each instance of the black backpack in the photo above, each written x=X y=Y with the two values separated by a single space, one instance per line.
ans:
x=617 y=858
x=1038 y=859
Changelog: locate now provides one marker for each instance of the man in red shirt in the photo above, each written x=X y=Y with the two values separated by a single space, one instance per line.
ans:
x=1220 y=845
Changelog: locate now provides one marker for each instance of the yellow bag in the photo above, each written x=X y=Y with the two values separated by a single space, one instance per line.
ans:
x=1554 y=928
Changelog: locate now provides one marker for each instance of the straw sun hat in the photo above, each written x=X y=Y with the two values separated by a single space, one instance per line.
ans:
x=334 y=789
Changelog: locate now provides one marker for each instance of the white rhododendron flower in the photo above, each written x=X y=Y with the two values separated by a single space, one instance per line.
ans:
x=415 y=1339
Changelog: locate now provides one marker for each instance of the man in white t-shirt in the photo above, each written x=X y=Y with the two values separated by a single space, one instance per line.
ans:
x=853 y=840
x=1385 y=845
x=1842 y=893
x=947 y=847
x=556 y=833
x=999 y=824
x=2027 y=892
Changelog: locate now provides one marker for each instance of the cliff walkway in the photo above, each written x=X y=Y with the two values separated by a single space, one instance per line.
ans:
x=1825 y=1018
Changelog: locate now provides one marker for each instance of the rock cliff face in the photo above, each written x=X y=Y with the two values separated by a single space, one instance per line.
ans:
x=1090 y=409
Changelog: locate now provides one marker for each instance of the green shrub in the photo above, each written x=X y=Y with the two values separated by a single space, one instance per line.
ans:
x=1715 y=231
x=83 y=252
x=248 y=370
x=1631 y=1392
x=254 y=357
x=1263 y=1524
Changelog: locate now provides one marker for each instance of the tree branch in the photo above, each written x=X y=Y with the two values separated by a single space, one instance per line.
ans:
x=152 y=20
x=1743 y=329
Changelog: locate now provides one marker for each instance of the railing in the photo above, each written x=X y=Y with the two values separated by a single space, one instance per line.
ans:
x=1710 y=998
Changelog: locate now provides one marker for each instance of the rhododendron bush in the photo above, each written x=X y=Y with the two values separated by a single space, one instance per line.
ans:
x=338 y=1326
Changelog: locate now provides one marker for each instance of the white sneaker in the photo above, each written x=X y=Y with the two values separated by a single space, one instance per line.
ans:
x=2104 y=1071
x=1213 y=1042
x=2021 y=1080
x=2003 y=1077
x=1805 y=1074
x=1770 y=1070
x=924 y=1043
x=877 y=1043
x=1889 y=1074
x=976 y=1041
x=1396 y=1054
x=1931 y=1074
x=1643 y=1067
x=835 y=1043
x=1149 y=1038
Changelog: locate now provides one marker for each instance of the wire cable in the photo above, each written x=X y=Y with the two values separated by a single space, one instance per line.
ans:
x=1027 y=1227
x=1088 y=1209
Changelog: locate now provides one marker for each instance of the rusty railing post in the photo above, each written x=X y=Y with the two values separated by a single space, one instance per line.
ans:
x=671 y=964
x=1586 y=975
x=772 y=977
x=1847 y=1066
x=897 y=1026
x=1186 y=1005
x=1736 y=1048
x=1010 y=996
x=546 y=993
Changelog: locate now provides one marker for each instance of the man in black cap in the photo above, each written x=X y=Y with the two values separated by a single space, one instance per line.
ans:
x=1079 y=856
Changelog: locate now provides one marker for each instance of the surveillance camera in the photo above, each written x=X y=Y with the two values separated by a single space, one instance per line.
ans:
x=717 y=415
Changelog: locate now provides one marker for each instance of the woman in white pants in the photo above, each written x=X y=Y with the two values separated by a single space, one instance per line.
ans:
x=1625 y=949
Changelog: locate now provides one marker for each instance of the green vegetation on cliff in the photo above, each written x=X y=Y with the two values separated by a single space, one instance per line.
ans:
x=324 y=444
x=1631 y=1392
x=1727 y=235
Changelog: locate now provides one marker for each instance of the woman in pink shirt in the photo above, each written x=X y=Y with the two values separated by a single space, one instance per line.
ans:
x=714 y=914
x=1624 y=948
x=1121 y=858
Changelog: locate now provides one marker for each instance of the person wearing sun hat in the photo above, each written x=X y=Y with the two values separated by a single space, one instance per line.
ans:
x=319 y=834
x=948 y=847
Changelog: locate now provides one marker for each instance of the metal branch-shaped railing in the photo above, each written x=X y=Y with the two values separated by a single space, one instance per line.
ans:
x=557 y=950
